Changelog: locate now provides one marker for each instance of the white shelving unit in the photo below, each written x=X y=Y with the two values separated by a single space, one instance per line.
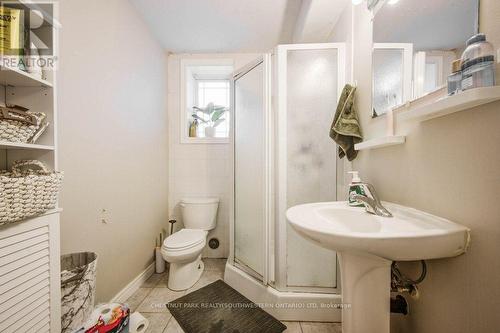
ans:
x=13 y=145
x=30 y=274
x=18 y=78
x=430 y=107
x=450 y=104
x=380 y=142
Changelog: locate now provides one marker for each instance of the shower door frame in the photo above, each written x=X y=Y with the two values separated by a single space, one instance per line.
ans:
x=281 y=52
x=265 y=60
x=275 y=110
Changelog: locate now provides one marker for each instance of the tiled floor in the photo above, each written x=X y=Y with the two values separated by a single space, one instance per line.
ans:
x=150 y=301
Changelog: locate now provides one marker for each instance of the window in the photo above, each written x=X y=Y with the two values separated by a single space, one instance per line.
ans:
x=206 y=100
x=217 y=93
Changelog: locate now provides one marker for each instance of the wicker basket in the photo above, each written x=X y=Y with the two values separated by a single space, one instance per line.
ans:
x=29 y=190
x=20 y=126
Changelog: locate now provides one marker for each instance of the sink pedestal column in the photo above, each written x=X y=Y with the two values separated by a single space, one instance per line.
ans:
x=365 y=293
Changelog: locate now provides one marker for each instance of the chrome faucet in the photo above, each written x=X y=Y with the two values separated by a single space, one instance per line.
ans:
x=371 y=201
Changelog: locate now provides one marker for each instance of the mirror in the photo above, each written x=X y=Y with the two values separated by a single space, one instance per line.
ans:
x=414 y=44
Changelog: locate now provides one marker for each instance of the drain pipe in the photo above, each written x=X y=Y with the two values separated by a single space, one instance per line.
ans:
x=400 y=283
x=399 y=305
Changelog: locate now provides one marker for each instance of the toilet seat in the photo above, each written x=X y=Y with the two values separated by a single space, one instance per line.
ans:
x=184 y=239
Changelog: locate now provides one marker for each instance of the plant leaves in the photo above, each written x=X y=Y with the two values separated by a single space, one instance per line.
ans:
x=206 y=110
x=218 y=122
x=217 y=114
x=210 y=108
x=199 y=118
x=202 y=110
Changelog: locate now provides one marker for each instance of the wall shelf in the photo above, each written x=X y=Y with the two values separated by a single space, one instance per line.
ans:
x=18 y=78
x=449 y=104
x=16 y=145
x=380 y=142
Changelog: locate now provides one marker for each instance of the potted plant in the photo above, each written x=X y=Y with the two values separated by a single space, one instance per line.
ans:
x=211 y=115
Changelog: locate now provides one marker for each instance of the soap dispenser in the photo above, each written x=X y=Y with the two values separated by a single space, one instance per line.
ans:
x=355 y=187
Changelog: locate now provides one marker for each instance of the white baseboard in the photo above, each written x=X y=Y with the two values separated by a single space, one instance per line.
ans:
x=134 y=285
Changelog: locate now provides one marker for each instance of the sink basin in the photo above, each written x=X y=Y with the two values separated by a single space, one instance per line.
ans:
x=367 y=244
x=409 y=235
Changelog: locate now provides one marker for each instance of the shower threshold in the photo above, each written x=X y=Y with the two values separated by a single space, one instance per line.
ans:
x=285 y=305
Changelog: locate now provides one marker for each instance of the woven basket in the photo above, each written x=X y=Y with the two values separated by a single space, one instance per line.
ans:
x=29 y=190
x=19 y=126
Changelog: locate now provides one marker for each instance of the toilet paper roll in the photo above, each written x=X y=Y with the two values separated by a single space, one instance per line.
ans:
x=104 y=311
x=138 y=324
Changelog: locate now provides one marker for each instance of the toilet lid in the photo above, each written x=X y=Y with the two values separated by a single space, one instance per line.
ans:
x=185 y=238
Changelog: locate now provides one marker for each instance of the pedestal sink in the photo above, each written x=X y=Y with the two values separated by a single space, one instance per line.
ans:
x=367 y=244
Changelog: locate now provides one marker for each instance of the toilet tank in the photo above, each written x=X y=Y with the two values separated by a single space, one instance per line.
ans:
x=199 y=213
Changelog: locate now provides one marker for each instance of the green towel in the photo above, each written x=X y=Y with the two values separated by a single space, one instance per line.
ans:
x=345 y=130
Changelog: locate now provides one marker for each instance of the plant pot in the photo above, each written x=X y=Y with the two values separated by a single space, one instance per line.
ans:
x=210 y=132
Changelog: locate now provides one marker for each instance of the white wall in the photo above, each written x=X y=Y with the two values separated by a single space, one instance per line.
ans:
x=316 y=19
x=449 y=167
x=113 y=138
x=199 y=169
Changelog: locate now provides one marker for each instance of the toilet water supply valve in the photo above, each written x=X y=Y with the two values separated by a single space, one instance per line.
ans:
x=401 y=283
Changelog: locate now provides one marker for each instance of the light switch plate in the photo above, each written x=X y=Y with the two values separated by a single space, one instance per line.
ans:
x=498 y=56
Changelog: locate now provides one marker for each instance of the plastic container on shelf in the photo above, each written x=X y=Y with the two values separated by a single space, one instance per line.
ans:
x=478 y=63
x=455 y=78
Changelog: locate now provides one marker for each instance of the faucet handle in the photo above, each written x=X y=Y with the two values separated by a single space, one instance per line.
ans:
x=367 y=190
x=370 y=191
x=371 y=201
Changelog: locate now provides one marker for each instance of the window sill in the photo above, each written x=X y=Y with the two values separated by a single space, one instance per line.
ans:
x=205 y=140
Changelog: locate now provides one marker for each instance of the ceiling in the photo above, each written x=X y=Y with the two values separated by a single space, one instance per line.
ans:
x=196 y=26
x=429 y=25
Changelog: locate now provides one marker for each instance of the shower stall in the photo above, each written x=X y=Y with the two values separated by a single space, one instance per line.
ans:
x=283 y=105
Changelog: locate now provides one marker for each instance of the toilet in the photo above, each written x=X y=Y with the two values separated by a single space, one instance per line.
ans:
x=183 y=248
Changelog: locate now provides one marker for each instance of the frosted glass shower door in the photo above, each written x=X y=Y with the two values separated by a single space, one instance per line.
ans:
x=250 y=169
x=311 y=77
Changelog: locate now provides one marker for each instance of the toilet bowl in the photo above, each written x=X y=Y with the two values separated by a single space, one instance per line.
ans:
x=183 y=251
x=183 y=248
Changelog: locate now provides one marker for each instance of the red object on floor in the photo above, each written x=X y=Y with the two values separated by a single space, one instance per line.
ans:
x=120 y=320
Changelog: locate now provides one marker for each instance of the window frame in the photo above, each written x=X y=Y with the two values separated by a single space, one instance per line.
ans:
x=183 y=123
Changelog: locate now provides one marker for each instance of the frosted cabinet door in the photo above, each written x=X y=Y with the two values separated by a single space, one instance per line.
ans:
x=392 y=76
x=387 y=80
x=312 y=83
x=249 y=169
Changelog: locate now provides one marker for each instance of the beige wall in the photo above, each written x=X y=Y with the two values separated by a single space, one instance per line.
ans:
x=199 y=170
x=343 y=33
x=450 y=167
x=113 y=138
